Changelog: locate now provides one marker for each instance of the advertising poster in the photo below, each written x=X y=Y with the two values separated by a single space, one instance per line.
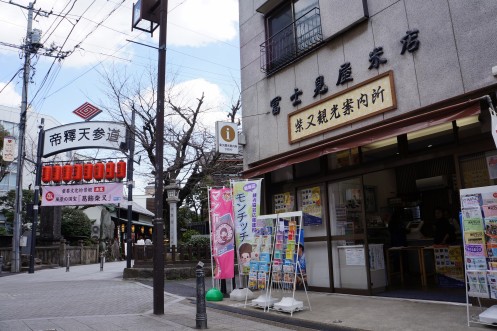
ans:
x=222 y=232
x=311 y=206
x=449 y=266
x=80 y=195
x=283 y=202
x=246 y=208
x=474 y=250
x=477 y=284
x=476 y=263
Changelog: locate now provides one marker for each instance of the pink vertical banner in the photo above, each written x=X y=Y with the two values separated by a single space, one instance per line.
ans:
x=222 y=232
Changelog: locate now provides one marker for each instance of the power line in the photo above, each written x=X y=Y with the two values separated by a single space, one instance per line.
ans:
x=14 y=76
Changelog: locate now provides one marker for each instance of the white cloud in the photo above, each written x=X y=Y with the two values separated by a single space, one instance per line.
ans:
x=9 y=97
x=212 y=21
x=215 y=102
x=200 y=22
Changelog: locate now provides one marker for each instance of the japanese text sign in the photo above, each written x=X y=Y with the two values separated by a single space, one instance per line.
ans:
x=80 y=135
x=80 y=195
x=246 y=208
x=358 y=102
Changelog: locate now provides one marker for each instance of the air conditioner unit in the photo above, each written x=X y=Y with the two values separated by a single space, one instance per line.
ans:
x=95 y=231
x=431 y=183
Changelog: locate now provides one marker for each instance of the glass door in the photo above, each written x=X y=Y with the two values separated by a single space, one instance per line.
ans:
x=348 y=244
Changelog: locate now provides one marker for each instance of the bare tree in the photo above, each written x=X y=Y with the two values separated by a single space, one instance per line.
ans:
x=189 y=154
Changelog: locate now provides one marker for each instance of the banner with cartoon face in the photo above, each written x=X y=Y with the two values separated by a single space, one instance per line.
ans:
x=222 y=232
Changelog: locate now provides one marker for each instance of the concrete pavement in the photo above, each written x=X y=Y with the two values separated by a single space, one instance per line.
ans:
x=87 y=299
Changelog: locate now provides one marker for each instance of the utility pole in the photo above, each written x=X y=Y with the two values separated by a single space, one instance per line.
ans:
x=159 y=170
x=131 y=158
x=16 y=256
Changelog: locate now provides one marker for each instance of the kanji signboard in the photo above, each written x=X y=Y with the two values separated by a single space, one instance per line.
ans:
x=109 y=135
x=366 y=99
x=79 y=195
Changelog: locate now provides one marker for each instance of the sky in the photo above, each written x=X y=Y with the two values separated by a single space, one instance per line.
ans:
x=202 y=52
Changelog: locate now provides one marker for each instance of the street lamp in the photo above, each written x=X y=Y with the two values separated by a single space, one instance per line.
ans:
x=172 y=199
x=155 y=11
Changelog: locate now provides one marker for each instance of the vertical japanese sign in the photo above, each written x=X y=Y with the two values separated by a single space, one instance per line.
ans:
x=222 y=232
x=9 y=146
x=246 y=208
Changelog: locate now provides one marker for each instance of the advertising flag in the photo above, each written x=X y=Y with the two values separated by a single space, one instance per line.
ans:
x=222 y=232
x=246 y=208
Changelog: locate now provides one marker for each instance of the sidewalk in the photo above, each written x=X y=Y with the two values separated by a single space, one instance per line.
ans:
x=339 y=311
x=86 y=299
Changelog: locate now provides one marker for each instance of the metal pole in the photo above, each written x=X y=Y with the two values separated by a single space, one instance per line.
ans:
x=159 y=175
x=102 y=260
x=36 y=198
x=16 y=265
x=68 y=262
x=201 y=316
x=131 y=146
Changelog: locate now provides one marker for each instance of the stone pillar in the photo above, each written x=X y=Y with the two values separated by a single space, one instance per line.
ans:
x=82 y=260
x=50 y=225
x=62 y=253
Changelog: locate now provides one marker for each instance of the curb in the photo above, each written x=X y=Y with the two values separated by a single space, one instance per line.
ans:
x=281 y=319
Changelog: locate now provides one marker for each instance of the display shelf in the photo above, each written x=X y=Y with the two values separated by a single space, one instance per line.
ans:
x=479 y=224
x=277 y=269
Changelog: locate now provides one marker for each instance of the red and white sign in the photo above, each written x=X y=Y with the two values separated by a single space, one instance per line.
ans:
x=81 y=195
x=87 y=111
x=9 y=145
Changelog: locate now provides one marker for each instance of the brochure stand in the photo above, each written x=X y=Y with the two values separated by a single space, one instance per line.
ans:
x=279 y=268
x=479 y=228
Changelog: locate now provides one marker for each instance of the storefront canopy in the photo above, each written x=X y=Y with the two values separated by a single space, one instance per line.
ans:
x=388 y=128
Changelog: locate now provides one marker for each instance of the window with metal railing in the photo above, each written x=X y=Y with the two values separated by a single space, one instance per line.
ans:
x=293 y=30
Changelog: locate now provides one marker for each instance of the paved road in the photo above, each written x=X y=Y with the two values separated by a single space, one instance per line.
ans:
x=86 y=299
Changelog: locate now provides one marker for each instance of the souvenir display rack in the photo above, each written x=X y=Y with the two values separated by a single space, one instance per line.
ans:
x=478 y=224
x=277 y=268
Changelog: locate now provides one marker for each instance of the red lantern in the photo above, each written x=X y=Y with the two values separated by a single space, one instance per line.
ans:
x=67 y=173
x=98 y=171
x=88 y=172
x=121 y=169
x=46 y=174
x=77 y=174
x=110 y=170
x=56 y=173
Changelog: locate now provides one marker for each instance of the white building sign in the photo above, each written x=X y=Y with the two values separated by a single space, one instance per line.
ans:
x=9 y=149
x=227 y=138
x=81 y=135
x=80 y=195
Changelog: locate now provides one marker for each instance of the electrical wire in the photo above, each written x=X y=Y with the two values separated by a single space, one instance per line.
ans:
x=17 y=72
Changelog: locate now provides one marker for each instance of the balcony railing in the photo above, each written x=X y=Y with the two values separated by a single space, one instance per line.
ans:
x=291 y=42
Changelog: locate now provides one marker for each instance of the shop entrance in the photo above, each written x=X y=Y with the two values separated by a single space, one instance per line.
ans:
x=402 y=216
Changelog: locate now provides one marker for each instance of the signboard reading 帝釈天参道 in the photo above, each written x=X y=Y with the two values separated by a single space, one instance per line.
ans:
x=109 y=135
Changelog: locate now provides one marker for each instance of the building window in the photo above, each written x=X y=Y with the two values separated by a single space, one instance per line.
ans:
x=292 y=29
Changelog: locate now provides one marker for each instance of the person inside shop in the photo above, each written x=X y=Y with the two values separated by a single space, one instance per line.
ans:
x=397 y=229
x=140 y=241
x=444 y=231
x=301 y=266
